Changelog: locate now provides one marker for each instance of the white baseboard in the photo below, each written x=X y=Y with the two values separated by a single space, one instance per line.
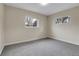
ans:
x=1 y=50
x=23 y=41
x=64 y=40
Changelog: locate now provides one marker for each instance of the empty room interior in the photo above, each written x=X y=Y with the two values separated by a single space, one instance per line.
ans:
x=39 y=29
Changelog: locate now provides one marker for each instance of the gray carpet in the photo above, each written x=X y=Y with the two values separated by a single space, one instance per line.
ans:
x=43 y=47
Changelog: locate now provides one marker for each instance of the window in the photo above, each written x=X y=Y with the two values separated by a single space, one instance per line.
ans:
x=62 y=20
x=31 y=22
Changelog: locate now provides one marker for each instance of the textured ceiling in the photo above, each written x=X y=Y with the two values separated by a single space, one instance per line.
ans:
x=48 y=9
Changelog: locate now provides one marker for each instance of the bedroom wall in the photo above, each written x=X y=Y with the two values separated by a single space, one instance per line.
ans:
x=15 y=28
x=15 y=32
x=1 y=27
x=65 y=32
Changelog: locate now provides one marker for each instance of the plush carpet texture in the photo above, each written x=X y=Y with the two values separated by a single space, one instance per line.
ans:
x=42 y=47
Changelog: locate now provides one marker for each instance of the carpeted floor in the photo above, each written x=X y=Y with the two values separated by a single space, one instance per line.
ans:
x=42 y=47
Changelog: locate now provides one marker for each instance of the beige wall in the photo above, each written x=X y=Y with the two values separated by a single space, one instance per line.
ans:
x=1 y=27
x=15 y=32
x=14 y=26
x=65 y=32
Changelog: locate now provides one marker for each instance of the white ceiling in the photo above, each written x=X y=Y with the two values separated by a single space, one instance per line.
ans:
x=48 y=9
